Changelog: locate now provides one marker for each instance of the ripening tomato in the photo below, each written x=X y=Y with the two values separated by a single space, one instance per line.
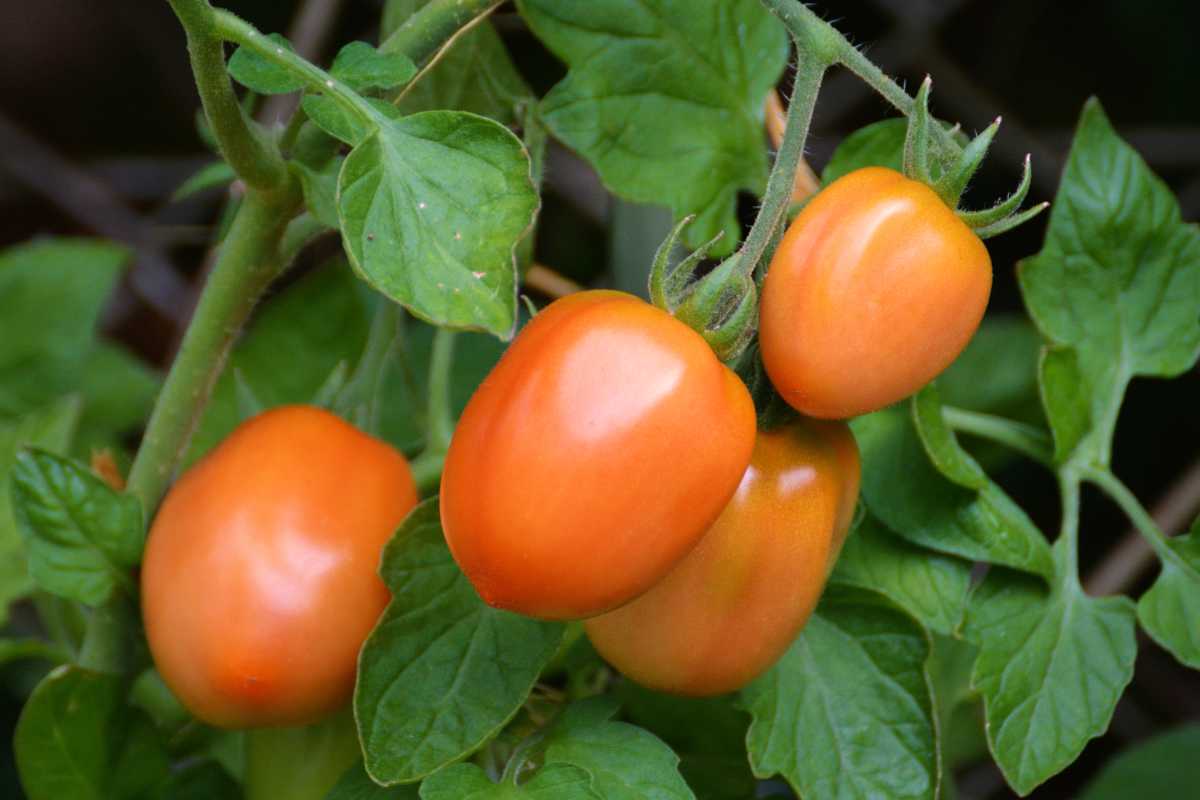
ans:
x=260 y=579
x=593 y=457
x=730 y=609
x=876 y=287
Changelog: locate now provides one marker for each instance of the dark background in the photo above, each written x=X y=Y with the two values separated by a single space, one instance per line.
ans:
x=97 y=128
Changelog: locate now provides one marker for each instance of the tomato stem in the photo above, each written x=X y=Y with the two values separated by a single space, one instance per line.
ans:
x=425 y=34
x=778 y=196
x=440 y=415
x=234 y=29
x=1137 y=514
x=1068 y=537
x=248 y=260
x=107 y=644
x=1025 y=439
x=252 y=155
x=803 y=21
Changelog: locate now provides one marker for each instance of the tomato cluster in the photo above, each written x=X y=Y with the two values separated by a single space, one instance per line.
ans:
x=608 y=468
x=593 y=458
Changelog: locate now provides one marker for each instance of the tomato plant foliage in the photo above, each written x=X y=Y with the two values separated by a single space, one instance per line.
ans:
x=954 y=626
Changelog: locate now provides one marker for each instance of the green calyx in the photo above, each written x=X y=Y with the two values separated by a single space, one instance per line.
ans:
x=949 y=175
x=721 y=305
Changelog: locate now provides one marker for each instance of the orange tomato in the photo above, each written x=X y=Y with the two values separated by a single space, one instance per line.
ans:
x=593 y=457
x=730 y=609
x=260 y=580
x=876 y=287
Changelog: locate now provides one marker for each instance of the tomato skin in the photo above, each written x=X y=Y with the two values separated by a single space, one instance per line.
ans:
x=593 y=457
x=730 y=609
x=260 y=578
x=876 y=287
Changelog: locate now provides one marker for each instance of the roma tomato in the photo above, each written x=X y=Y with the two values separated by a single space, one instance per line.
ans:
x=876 y=287
x=593 y=457
x=259 y=582
x=728 y=611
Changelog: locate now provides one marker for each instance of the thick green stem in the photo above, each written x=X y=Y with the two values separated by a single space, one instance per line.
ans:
x=774 y=208
x=1025 y=439
x=426 y=32
x=107 y=643
x=248 y=260
x=252 y=156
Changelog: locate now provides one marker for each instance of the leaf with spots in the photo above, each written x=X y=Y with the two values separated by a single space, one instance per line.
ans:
x=431 y=208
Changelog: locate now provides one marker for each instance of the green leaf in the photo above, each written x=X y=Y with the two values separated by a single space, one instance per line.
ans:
x=956 y=704
x=469 y=782
x=1170 y=609
x=903 y=488
x=77 y=739
x=330 y=116
x=49 y=429
x=847 y=712
x=941 y=445
x=442 y=671
x=880 y=144
x=210 y=176
x=708 y=734
x=997 y=372
x=356 y=784
x=404 y=414
x=475 y=74
x=83 y=538
x=1159 y=767
x=1066 y=398
x=51 y=294
x=625 y=762
x=665 y=99
x=432 y=208
x=1051 y=668
x=324 y=315
x=929 y=586
x=362 y=67
x=319 y=185
x=1117 y=282
x=118 y=393
x=260 y=75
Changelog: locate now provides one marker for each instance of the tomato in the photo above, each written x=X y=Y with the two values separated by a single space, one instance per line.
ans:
x=876 y=287
x=730 y=609
x=260 y=580
x=593 y=457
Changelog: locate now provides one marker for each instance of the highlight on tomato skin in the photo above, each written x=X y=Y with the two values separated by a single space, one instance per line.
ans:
x=730 y=609
x=876 y=288
x=260 y=582
x=593 y=457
